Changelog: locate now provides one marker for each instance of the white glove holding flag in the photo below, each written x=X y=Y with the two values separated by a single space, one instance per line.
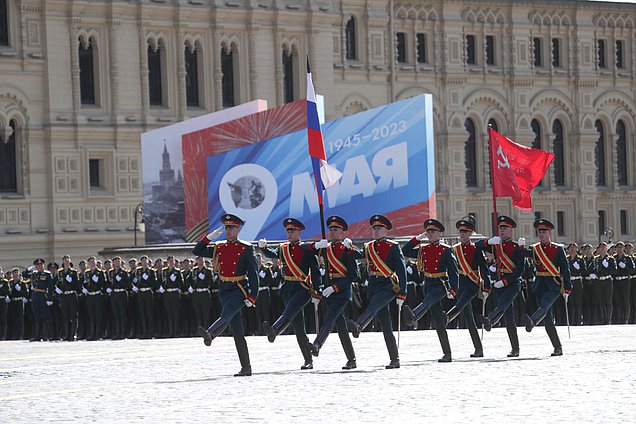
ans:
x=328 y=291
x=214 y=234
x=399 y=302
x=485 y=295
x=499 y=284
x=420 y=237
x=565 y=297
x=262 y=243
x=321 y=244
x=494 y=240
x=576 y=265
x=347 y=243
x=521 y=241
x=315 y=301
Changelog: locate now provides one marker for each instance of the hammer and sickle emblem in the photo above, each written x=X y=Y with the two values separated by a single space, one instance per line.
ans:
x=505 y=163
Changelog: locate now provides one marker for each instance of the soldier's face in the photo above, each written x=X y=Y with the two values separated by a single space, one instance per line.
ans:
x=200 y=261
x=231 y=232
x=602 y=250
x=620 y=249
x=67 y=263
x=171 y=262
x=15 y=274
x=379 y=232
x=335 y=233
x=544 y=235
x=505 y=232
x=629 y=250
x=116 y=263
x=433 y=235
x=293 y=235
x=464 y=236
x=572 y=250
x=39 y=266
x=91 y=264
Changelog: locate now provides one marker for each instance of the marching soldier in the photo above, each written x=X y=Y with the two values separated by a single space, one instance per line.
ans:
x=94 y=284
x=473 y=276
x=119 y=287
x=302 y=279
x=238 y=272
x=343 y=270
x=5 y=299
x=387 y=281
x=202 y=280
x=605 y=266
x=68 y=288
x=42 y=294
x=577 y=271
x=19 y=297
x=510 y=259
x=171 y=291
x=146 y=283
x=439 y=265
x=624 y=269
x=552 y=280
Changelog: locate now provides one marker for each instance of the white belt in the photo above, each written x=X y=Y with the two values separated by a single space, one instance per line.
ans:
x=622 y=278
x=94 y=293
x=3 y=297
x=262 y=288
x=119 y=290
x=172 y=290
x=274 y=288
x=410 y=283
x=70 y=292
x=605 y=277
x=15 y=299
x=214 y=290
x=202 y=290
x=576 y=278
x=145 y=289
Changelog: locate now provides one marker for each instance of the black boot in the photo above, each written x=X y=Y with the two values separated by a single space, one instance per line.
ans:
x=277 y=328
x=304 y=349
x=90 y=336
x=36 y=332
x=360 y=324
x=486 y=321
x=479 y=353
x=527 y=321
x=558 y=351
x=395 y=363
x=408 y=316
x=350 y=365
x=347 y=346
x=514 y=353
x=446 y=358
x=213 y=331
x=314 y=347
x=244 y=358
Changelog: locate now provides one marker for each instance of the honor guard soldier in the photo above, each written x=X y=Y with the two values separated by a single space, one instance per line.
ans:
x=552 y=280
x=68 y=288
x=590 y=302
x=5 y=299
x=202 y=280
x=144 y=287
x=342 y=270
x=509 y=257
x=302 y=279
x=19 y=295
x=437 y=261
x=119 y=287
x=94 y=285
x=605 y=266
x=171 y=290
x=473 y=276
x=235 y=261
x=264 y=282
x=577 y=271
x=624 y=270
x=387 y=281
x=42 y=285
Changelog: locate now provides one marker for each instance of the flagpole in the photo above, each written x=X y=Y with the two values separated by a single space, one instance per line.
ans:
x=494 y=198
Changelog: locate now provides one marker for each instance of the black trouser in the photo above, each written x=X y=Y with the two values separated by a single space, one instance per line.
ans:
x=68 y=305
x=4 y=315
x=589 y=302
x=172 y=302
x=119 y=305
x=262 y=309
x=95 y=307
x=201 y=303
x=605 y=307
x=632 y=295
x=621 y=300
x=146 y=303
x=575 y=302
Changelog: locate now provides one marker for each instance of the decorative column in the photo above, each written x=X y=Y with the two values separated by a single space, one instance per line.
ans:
x=182 y=100
x=143 y=69
x=75 y=68
x=114 y=25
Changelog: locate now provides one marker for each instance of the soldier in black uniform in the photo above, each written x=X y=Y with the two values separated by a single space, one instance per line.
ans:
x=42 y=285
x=146 y=283
x=590 y=310
x=187 y=319
x=202 y=281
x=171 y=291
x=19 y=295
x=302 y=279
x=605 y=266
x=265 y=280
x=68 y=288
x=94 y=285
x=624 y=269
x=577 y=271
x=235 y=261
x=5 y=299
x=629 y=251
x=439 y=265
x=119 y=288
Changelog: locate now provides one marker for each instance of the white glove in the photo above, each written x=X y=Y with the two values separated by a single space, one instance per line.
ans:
x=494 y=240
x=499 y=284
x=58 y=291
x=399 y=302
x=214 y=234
x=248 y=303
x=109 y=290
x=485 y=295
x=161 y=289
x=565 y=296
x=85 y=290
x=522 y=241
x=605 y=263
x=420 y=237
x=24 y=300
x=135 y=289
x=347 y=243
x=576 y=265
x=69 y=278
x=18 y=287
x=622 y=265
x=493 y=268
x=321 y=244
x=593 y=276
x=49 y=303
x=262 y=243
x=409 y=269
x=449 y=295
x=322 y=272
x=328 y=291
x=315 y=301
x=276 y=274
x=262 y=274
x=190 y=290
x=7 y=300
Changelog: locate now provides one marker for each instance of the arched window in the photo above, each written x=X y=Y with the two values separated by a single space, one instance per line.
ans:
x=192 y=53
x=4 y=23
x=621 y=153
x=155 y=71
x=537 y=142
x=290 y=59
x=470 y=148
x=492 y=123
x=227 y=83
x=350 y=39
x=599 y=155
x=559 y=153
x=8 y=165
x=87 y=65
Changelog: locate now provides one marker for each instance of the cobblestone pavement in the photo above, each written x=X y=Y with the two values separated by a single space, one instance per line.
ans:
x=180 y=380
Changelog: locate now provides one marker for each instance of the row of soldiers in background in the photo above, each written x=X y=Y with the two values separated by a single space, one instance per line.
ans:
x=171 y=298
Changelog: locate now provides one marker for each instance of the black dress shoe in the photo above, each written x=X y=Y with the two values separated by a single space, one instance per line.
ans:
x=271 y=334
x=409 y=317
x=351 y=364
x=477 y=354
x=207 y=339
x=514 y=352
x=355 y=328
x=315 y=350
x=446 y=358
x=558 y=351
x=486 y=321
x=395 y=363
x=527 y=321
x=244 y=372
x=307 y=366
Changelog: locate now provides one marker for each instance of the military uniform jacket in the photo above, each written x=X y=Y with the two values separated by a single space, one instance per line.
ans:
x=590 y=266
x=68 y=280
x=578 y=267
x=511 y=260
x=436 y=261
x=43 y=283
x=390 y=253
x=94 y=280
x=304 y=257
x=172 y=279
x=605 y=267
x=550 y=259
x=202 y=278
x=468 y=255
x=146 y=278
x=5 y=289
x=342 y=267
x=119 y=280
x=624 y=267
x=235 y=261
x=23 y=293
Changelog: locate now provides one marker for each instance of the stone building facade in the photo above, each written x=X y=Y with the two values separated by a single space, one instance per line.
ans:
x=80 y=80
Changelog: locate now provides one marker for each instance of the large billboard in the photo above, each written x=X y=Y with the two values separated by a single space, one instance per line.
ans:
x=385 y=155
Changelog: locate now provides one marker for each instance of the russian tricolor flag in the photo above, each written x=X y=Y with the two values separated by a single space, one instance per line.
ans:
x=325 y=175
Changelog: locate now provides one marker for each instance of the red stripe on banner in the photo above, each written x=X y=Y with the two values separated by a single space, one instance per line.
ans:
x=316 y=145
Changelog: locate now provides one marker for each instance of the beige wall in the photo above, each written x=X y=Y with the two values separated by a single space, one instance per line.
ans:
x=55 y=211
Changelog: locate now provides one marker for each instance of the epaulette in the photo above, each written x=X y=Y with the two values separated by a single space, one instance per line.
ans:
x=391 y=241
x=245 y=243
x=448 y=246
